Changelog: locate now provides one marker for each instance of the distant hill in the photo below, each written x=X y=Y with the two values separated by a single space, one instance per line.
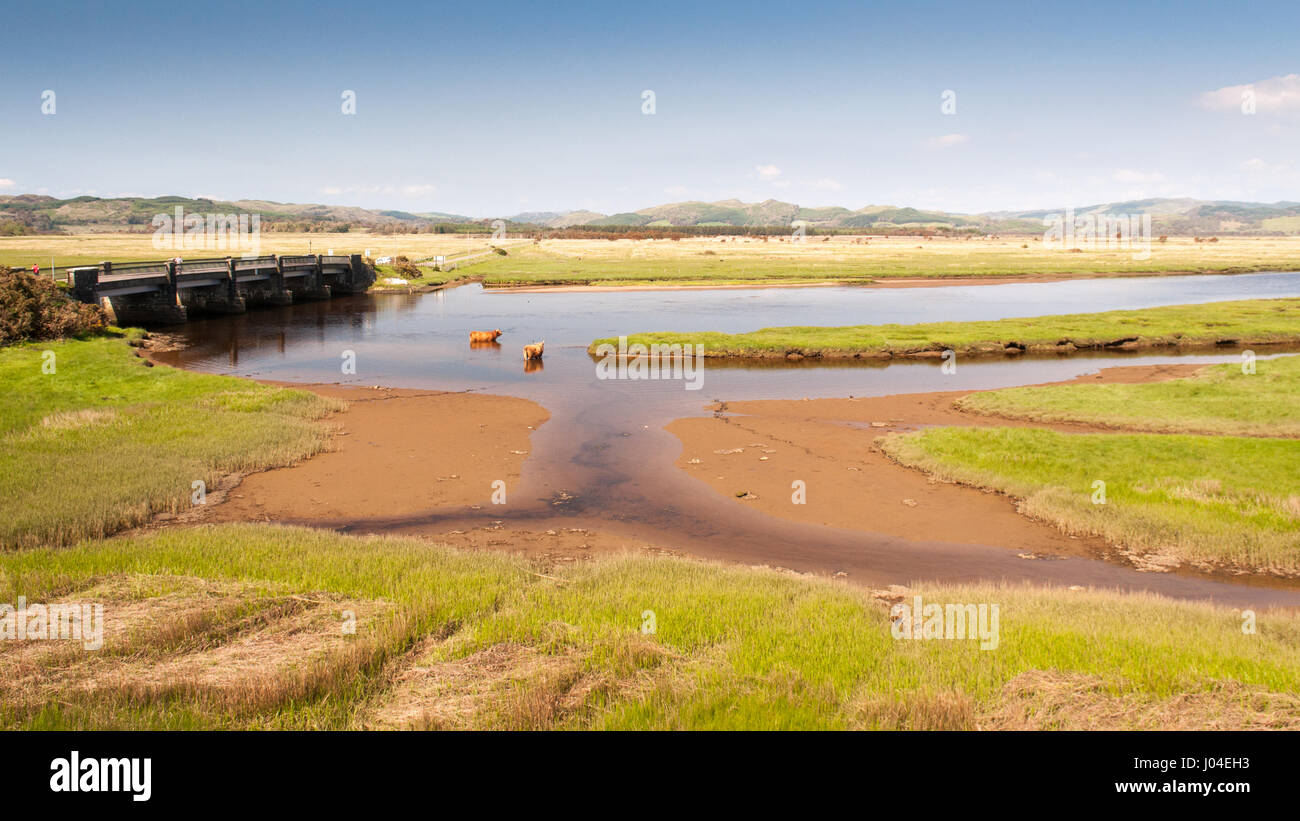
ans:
x=1169 y=216
x=29 y=213
x=40 y=213
x=555 y=219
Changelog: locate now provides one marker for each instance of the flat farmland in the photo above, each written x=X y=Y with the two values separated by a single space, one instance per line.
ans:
x=711 y=260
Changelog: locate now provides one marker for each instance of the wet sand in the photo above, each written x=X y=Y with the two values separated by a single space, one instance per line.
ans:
x=751 y=453
x=395 y=451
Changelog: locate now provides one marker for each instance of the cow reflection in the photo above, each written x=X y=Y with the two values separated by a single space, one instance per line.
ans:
x=533 y=365
x=491 y=345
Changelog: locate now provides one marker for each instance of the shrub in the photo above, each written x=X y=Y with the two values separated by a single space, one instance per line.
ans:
x=406 y=268
x=33 y=307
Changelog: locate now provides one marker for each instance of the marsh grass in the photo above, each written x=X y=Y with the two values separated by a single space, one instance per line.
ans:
x=1219 y=399
x=1214 y=501
x=106 y=441
x=1244 y=322
x=734 y=647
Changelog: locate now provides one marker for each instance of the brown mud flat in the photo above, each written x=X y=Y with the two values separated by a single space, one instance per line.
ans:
x=399 y=453
x=395 y=451
x=752 y=452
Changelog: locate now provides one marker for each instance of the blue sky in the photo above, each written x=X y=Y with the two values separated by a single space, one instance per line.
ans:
x=492 y=109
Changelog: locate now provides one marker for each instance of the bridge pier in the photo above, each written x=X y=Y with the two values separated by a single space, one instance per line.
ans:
x=262 y=283
x=158 y=305
x=347 y=275
x=219 y=298
x=307 y=280
x=146 y=309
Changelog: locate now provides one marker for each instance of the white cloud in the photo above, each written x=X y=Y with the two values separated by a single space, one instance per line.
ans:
x=767 y=172
x=1129 y=175
x=1262 y=171
x=6 y=183
x=948 y=140
x=827 y=184
x=675 y=190
x=1276 y=94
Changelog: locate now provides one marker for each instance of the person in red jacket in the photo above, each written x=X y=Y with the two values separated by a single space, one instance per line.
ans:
x=36 y=270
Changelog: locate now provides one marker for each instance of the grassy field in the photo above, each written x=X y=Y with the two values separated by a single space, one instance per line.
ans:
x=710 y=260
x=751 y=260
x=243 y=627
x=1247 y=322
x=83 y=249
x=1220 y=399
x=104 y=441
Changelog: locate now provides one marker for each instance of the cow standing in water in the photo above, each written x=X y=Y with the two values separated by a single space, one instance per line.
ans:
x=484 y=336
x=534 y=351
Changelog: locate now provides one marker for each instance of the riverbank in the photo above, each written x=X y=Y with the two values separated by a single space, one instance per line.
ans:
x=1050 y=483
x=752 y=452
x=1185 y=327
x=1216 y=488
x=95 y=439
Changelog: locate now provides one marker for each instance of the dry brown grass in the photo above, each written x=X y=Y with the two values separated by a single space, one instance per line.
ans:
x=510 y=686
x=238 y=645
x=1052 y=700
x=941 y=710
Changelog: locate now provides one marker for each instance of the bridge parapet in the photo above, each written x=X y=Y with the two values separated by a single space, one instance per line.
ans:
x=133 y=269
x=254 y=263
x=160 y=291
x=203 y=266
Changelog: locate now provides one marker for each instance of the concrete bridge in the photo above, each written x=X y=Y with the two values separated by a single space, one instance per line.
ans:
x=159 y=293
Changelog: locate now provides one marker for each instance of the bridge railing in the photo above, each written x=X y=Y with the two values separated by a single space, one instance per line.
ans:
x=137 y=268
x=248 y=264
x=196 y=266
